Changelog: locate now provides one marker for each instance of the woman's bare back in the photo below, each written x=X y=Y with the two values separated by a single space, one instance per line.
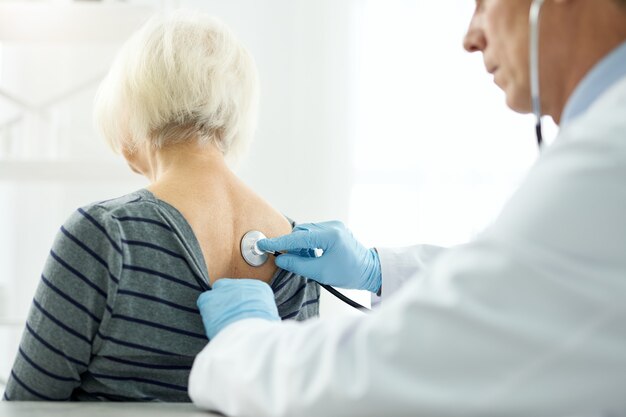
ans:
x=220 y=211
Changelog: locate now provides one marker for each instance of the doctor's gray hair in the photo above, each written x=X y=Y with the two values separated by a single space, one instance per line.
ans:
x=182 y=76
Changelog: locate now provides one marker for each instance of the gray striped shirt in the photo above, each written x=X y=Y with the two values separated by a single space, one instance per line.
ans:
x=115 y=316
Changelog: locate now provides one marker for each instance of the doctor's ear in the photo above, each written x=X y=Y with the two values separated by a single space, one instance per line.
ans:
x=562 y=2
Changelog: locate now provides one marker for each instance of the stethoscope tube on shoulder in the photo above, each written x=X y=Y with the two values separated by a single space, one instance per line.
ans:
x=535 y=92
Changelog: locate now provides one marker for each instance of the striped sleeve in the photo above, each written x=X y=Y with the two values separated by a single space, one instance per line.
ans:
x=79 y=277
x=297 y=297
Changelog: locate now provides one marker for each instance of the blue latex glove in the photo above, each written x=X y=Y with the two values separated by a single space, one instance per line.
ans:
x=232 y=300
x=344 y=263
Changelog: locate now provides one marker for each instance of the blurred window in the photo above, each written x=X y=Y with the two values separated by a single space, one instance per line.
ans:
x=437 y=152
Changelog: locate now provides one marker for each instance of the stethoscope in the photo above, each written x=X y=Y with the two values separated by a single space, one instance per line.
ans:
x=256 y=257
x=535 y=11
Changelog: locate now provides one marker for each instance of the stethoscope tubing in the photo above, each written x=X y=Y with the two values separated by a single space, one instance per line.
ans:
x=337 y=294
x=535 y=92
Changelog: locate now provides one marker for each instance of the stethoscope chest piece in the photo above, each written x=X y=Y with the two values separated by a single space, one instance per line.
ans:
x=250 y=251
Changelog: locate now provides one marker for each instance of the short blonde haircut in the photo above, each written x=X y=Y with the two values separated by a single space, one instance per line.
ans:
x=182 y=76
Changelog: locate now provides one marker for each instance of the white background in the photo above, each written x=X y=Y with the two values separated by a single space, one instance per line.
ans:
x=371 y=113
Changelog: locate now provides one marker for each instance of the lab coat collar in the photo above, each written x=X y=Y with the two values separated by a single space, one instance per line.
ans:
x=604 y=75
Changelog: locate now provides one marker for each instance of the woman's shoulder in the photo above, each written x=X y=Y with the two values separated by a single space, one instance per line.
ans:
x=137 y=201
x=136 y=204
x=111 y=216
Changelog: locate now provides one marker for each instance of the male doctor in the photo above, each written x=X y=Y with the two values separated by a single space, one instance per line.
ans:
x=529 y=319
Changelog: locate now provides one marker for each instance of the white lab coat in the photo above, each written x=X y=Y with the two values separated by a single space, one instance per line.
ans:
x=527 y=320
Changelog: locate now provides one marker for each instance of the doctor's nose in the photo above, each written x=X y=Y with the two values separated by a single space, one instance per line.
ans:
x=474 y=40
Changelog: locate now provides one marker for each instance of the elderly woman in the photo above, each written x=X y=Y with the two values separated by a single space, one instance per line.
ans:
x=114 y=316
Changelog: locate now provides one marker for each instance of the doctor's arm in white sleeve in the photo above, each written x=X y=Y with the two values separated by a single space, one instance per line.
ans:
x=399 y=265
x=527 y=320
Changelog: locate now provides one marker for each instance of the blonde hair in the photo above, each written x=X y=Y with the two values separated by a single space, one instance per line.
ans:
x=181 y=76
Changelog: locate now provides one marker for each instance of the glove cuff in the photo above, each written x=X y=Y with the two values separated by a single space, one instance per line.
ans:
x=374 y=281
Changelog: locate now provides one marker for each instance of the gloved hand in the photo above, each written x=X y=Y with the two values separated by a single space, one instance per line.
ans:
x=232 y=300
x=345 y=263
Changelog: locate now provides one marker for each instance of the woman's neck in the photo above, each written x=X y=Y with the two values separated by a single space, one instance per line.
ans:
x=187 y=162
x=191 y=176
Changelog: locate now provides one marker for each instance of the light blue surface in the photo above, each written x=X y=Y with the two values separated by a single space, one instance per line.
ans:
x=603 y=76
